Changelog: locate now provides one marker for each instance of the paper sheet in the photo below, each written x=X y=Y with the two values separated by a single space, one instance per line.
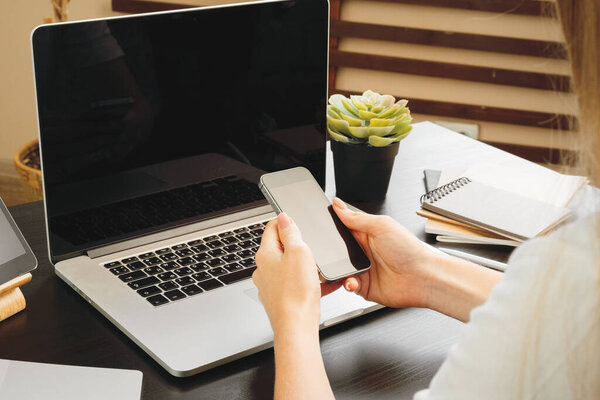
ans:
x=543 y=185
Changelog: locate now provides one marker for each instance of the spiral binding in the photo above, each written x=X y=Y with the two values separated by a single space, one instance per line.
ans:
x=434 y=195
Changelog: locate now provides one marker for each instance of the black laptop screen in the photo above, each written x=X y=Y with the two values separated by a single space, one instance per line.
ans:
x=155 y=121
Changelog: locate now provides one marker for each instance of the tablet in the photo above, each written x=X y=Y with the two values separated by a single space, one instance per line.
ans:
x=16 y=257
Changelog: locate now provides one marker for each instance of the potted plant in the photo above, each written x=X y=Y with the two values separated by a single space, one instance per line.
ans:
x=365 y=135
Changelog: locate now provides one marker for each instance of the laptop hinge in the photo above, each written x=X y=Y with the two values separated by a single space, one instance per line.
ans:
x=179 y=231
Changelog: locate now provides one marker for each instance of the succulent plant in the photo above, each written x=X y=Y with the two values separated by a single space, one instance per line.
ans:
x=370 y=119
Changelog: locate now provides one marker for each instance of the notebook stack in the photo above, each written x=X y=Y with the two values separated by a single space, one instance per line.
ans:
x=498 y=205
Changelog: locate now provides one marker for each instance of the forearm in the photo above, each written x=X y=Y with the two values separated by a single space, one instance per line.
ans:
x=457 y=286
x=299 y=369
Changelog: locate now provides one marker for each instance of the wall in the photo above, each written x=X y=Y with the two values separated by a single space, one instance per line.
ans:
x=18 y=120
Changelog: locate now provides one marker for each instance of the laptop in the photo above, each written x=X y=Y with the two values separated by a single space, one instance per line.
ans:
x=66 y=382
x=154 y=130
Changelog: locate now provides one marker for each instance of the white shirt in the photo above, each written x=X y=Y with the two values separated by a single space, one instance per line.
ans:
x=538 y=334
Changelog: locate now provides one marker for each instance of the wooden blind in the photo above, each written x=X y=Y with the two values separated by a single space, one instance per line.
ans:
x=507 y=81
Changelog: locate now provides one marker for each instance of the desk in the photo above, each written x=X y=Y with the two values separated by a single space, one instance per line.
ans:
x=386 y=354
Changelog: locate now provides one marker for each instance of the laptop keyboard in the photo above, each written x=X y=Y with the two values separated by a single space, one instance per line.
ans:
x=187 y=269
x=158 y=209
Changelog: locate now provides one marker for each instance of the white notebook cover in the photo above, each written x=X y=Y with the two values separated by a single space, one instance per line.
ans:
x=499 y=211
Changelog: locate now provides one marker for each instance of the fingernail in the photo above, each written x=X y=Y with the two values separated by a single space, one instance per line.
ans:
x=339 y=203
x=283 y=220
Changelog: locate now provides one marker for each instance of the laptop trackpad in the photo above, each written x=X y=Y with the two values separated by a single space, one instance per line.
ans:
x=253 y=294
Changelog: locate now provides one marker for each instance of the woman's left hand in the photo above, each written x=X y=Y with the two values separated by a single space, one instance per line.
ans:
x=287 y=277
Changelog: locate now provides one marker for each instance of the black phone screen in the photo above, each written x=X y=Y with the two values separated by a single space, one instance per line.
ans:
x=336 y=251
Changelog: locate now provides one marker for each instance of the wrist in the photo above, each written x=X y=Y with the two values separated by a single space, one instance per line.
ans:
x=300 y=373
x=435 y=282
x=303 y=322
x=295 y=332
x=426 y=281
x=456 y=286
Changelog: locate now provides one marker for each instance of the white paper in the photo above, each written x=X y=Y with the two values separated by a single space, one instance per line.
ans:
x=539 y=184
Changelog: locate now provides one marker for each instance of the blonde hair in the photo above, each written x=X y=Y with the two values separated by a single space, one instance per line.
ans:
x=580 y=20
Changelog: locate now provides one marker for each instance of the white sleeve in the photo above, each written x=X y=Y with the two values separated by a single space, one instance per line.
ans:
x=519 y=343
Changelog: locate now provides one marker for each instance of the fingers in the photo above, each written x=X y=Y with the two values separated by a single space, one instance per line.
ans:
x=289 y=234
x=327 y=288
x=270 y=243
x=270 y=237
x=355 y=221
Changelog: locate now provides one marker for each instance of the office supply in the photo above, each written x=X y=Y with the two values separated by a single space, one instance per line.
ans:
x=431 y=177
x=450 y=230
x=455 y=233
x=20 y=380
x=486 y=262
x=495 y=210
x=539 y=183
x=437 y=217
x=152 y=205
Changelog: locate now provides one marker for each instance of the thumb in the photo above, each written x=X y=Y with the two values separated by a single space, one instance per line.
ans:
x=289 y=234
x=356 y=221
x=352 y=284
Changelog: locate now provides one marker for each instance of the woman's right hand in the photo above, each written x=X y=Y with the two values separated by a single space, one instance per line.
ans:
x=401 y=265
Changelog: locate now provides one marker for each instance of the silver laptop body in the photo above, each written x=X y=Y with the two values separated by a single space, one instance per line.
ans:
x=106 y=106
x=66 y=382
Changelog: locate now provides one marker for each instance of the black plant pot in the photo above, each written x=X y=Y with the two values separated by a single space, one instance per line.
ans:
x=362 y=172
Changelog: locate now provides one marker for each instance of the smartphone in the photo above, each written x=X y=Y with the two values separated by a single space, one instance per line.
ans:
x=296 y=192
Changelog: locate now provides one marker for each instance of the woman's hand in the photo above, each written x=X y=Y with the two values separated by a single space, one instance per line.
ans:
x=401 y=265
x=288 y=287
x=405 y=273
x=286 y=276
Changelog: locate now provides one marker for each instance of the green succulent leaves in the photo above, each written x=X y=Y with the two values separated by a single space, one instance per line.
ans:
x=371 y=119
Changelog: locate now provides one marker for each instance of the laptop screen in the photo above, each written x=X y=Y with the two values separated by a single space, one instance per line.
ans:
x=154 y=121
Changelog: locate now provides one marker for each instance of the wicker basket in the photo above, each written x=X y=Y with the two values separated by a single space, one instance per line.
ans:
x=31 y=177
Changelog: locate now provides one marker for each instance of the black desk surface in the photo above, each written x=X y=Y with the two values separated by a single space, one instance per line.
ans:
x=386 y=354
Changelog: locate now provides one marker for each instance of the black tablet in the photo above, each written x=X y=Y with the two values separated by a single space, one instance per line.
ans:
x=16 y=257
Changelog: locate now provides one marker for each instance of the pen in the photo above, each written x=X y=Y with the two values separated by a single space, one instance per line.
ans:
x=499 y=266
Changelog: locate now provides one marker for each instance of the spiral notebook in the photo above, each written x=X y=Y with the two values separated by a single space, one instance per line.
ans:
x=495 y=210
